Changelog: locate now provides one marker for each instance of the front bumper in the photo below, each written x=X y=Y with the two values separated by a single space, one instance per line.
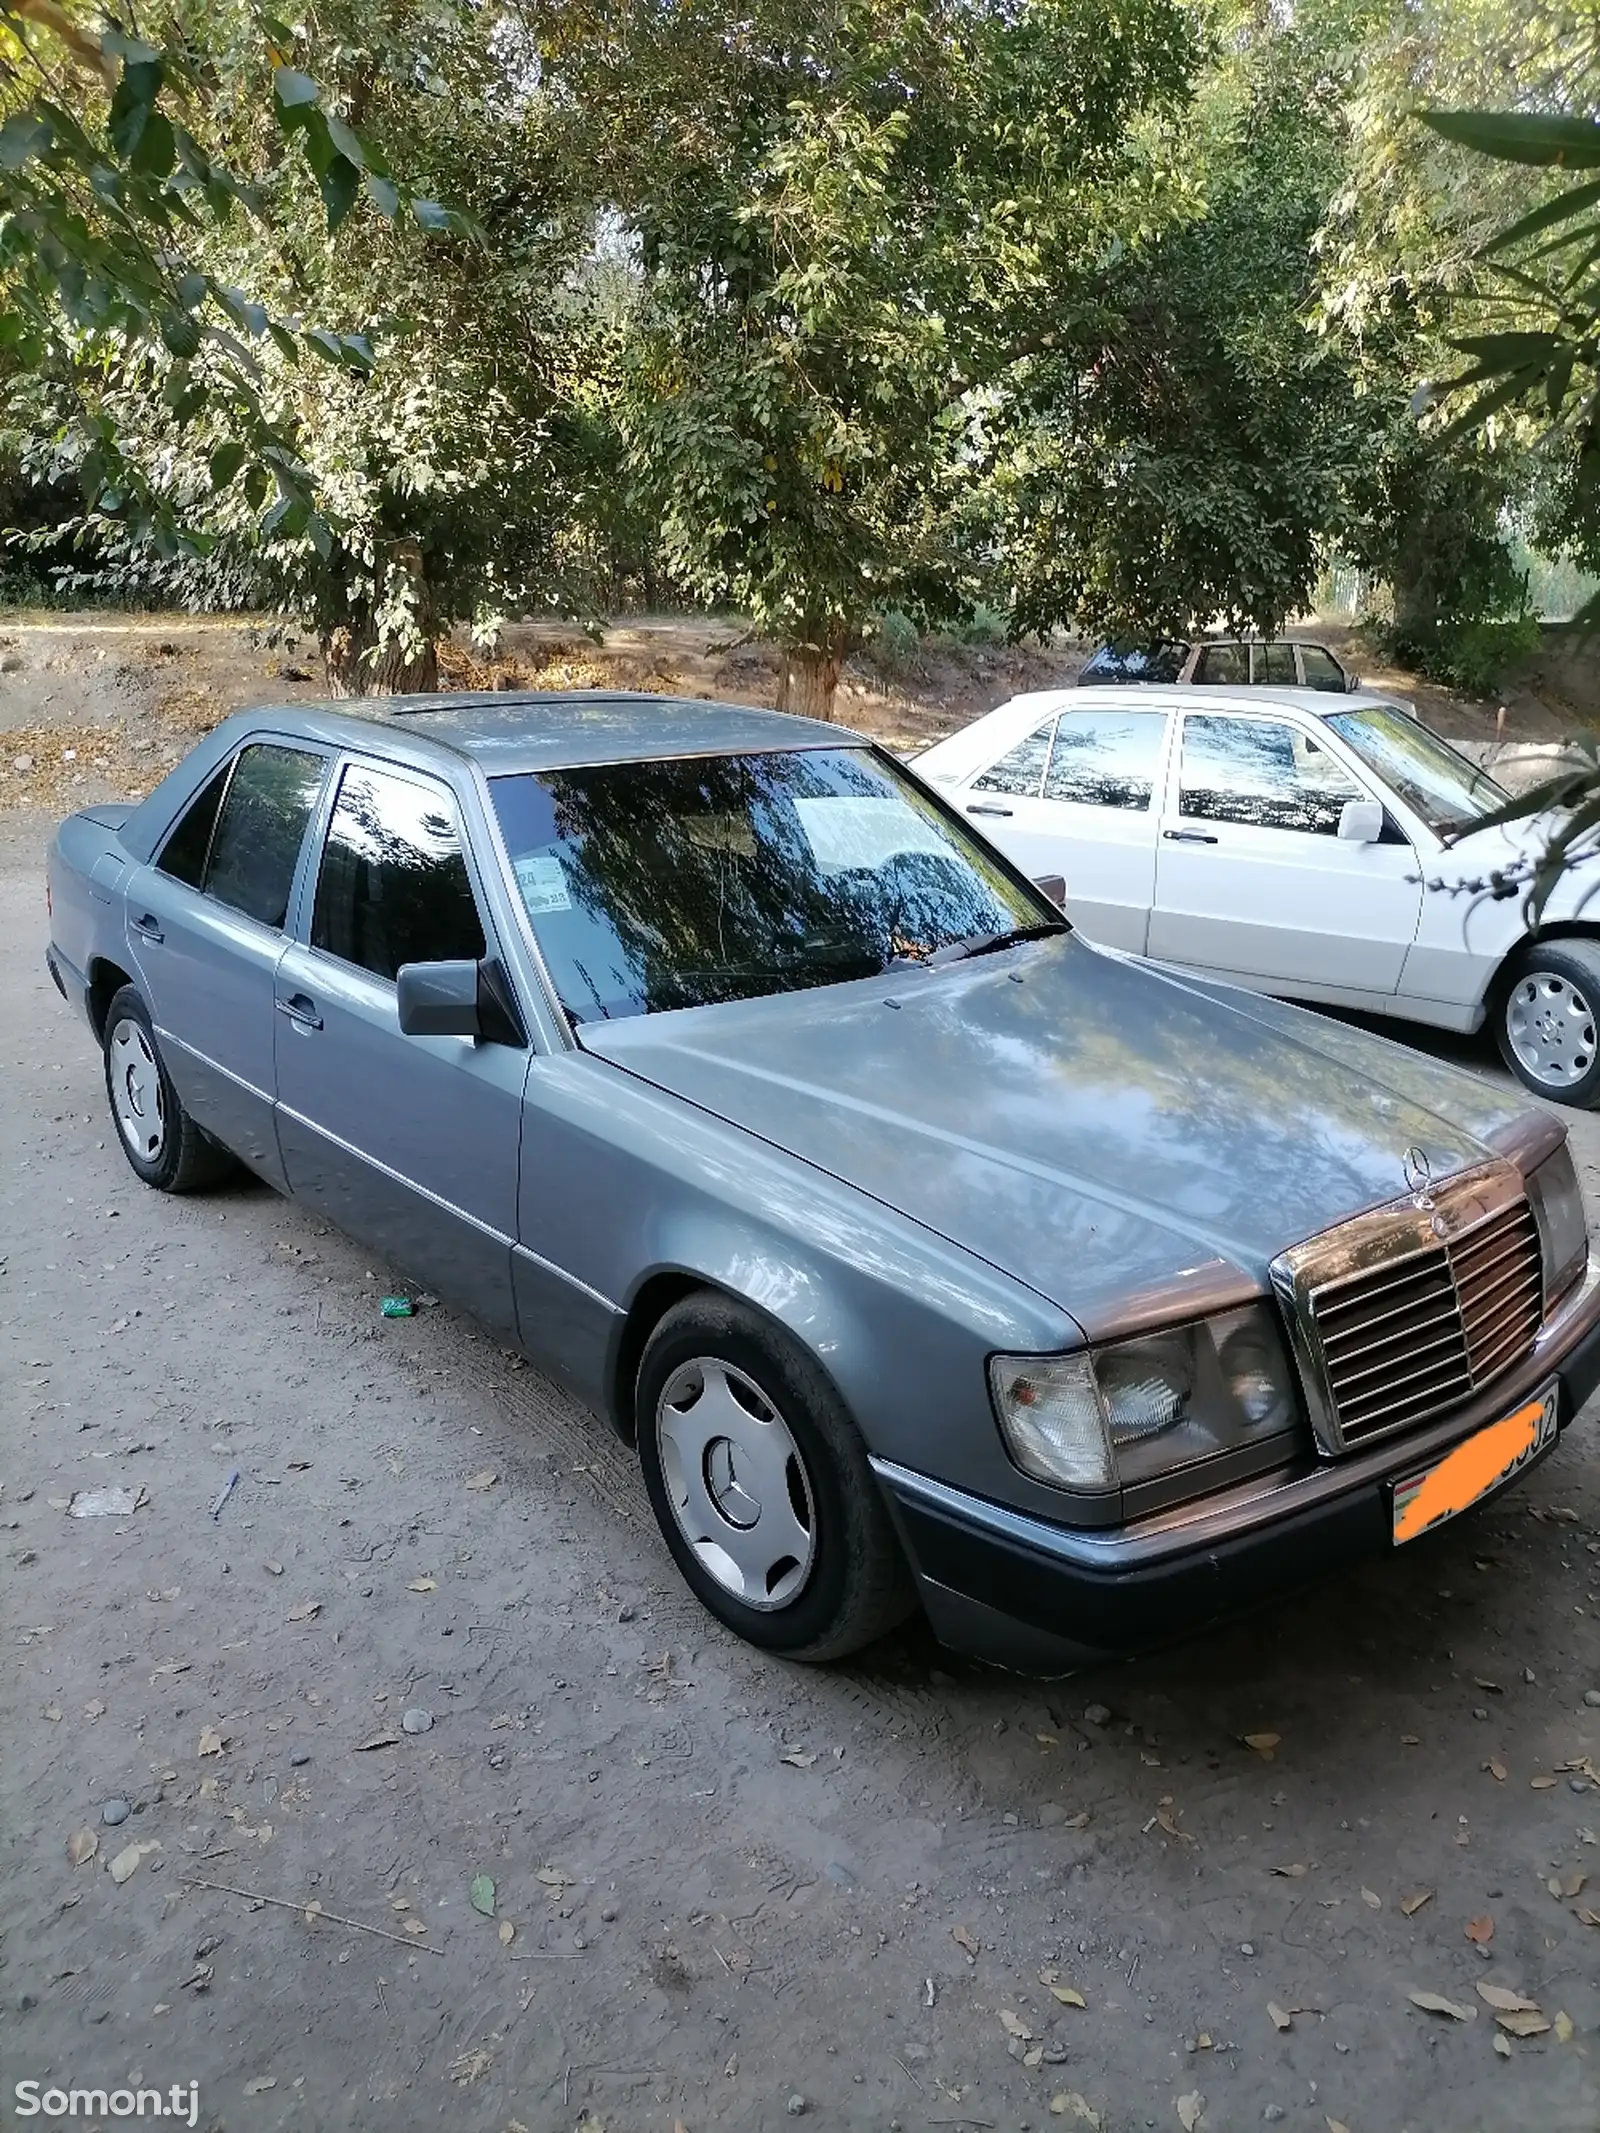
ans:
x=1006 y=1586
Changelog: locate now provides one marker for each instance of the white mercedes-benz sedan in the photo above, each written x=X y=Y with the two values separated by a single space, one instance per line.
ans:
x=1294 y=842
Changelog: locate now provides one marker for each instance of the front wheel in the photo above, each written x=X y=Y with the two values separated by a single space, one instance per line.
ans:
x=1548 y=1024
x=761 y=1487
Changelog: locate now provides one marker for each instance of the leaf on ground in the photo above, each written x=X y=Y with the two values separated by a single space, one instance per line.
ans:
x=1014 y=2026
x=1337 y=2125
x=1496 y=1769
x=1290 y=1873
x=274 y=1570
x=1191 y=2109
x=1568 y=1885
x=127 y=1860
x=1263 y=1744
x=484 y=1480
x=1078 y=1821
x=1069 y=2104
x=555 y=1877
x=261 y=2084
x=1563 y=2027
x=97 y=1709
x=1586 y=1917
x=379 y=1740
x=799 y=1758
x=1068 y=1996
x=1541 y=1784
x=482 y=1894
x=1436 y=2003
x=964 y=1937
x=212 y=1741
x=307 y=1611
x=1481 y=1930
x=1372 y=1900
x=1525 y=2022
x=82 y=1845
x=1281 y=2017
x=1505 y=2000
x=508 y=1932
x=1414 y=1899
x=422 y=1585
x=1166 y=1816
x=414 y=1926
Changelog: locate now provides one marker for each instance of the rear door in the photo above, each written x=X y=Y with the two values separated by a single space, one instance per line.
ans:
x=206 y=931
x=411 y=1143
x=1252 y=876
x=1076 y=798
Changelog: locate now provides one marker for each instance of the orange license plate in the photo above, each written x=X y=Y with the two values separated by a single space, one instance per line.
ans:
x=1476 y=1468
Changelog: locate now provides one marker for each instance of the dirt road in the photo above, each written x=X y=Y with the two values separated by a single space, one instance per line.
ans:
x=719 y=1883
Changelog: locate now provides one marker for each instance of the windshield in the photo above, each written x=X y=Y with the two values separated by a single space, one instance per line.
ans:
x=1447 y=791
x=675 y=884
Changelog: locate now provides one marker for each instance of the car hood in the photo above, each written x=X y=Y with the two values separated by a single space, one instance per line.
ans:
x=1514 y=845
x=1115 y=1135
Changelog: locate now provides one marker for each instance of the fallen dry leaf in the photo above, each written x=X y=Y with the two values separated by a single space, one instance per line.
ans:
x=415 y=1926
x=1191 y=2109
x=1481 y=1930
x=1542 y=1784
x=1263 y=1744
x=423 y=1585
x=1289 y=1873
x=1014 y=2026
x=1586 y=1917
x=1372 y=1900
x=94 y=1710
x=1568 y=1885
x=1281 y=2017
x=964 y=1937
x=508 y=1932
x=212 y=1741
x=1336 y=2125
x=1078 y=1821
x=1563 y=2028
x=307 y=1611
x=127 y=1860
x=800 y=1758
x=1496 y=1769
x=484 y=1480
x=379 y=1740
x=1414 y=1899
x=1068 y=1996
x=1436 y=2003
x=1502 y=2045
x=261 y=2084
x=1525 y=2022
x=82 y=1845
x=555 y=1877
x=1069 y=2104
x=1507 y=2001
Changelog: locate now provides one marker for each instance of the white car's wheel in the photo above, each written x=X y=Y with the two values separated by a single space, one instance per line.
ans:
x=1548 y=1022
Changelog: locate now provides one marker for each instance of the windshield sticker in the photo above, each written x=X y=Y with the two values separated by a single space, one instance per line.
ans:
x=543 y=882
x=847 y=830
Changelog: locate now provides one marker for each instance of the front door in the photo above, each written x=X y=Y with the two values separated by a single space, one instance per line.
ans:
x=1077 y=799
x=410 y=1143
x=206 y=932
x=1252 y=876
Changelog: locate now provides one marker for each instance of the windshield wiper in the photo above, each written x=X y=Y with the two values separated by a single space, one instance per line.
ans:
x=988 y=943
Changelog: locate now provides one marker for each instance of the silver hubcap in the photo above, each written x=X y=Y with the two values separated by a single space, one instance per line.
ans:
x=1551 y=1027
x=135 y=1080
x=736 y=1482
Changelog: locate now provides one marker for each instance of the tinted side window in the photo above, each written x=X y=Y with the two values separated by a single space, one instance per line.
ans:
x=1020 y=771
x=1228 y=664
x=1261 y=772
x=261 y=828
x=1323 y=671
x=1275 y=664
x=1106 y=758
x=183 y=856
x=394 y=887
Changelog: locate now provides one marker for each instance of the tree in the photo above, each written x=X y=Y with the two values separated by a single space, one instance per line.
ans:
x=848 y=223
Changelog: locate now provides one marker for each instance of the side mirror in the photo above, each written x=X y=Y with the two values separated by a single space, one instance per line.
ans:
x=1361 y=821
x=439 y=1000
x=1054 y=886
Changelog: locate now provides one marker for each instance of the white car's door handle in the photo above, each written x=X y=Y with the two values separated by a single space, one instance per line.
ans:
x=1188 y=836
x=984 y=807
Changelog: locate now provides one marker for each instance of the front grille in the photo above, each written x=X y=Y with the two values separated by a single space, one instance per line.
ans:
x=1401 y=1322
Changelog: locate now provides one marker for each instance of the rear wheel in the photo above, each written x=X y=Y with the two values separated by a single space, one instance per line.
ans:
x=1549 y=1021
x=761 y=1487
x=161 y=1141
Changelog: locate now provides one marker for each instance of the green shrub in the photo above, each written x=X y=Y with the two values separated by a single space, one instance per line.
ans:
x=894 y=643
x=1472 y=656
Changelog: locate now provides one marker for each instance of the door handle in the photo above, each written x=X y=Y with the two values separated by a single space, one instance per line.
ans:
x=983 y=807
x=301 y=1010
x=1188 y=836
x=148 y=929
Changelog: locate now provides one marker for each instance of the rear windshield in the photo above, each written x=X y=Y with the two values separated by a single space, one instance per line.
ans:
x=663 y=885
x=1136 y=662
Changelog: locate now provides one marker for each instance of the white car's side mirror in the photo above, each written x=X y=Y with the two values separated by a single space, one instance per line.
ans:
x=1361 y=821
x=1054 y=886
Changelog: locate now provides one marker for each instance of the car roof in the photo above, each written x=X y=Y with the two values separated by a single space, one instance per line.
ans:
x=533 y=730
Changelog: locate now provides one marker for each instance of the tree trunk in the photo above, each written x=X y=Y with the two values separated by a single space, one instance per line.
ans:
x=810 y=672
x=356 y=662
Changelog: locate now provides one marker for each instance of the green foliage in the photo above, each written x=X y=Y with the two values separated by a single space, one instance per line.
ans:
x=894 y=643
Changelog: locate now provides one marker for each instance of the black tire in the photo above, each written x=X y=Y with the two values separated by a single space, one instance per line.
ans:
x=1547 y=1015
x=164 y=1146
x=855 y=1586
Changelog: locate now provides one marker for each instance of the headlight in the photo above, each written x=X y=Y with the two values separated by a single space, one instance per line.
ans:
x=1557 y=1200
x=1139 y=1408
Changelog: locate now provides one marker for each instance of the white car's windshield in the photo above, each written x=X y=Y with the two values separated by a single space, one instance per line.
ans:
x=1444 y=788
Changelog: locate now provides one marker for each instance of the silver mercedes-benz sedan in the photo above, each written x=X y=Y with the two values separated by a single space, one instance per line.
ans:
x=927 y=1253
